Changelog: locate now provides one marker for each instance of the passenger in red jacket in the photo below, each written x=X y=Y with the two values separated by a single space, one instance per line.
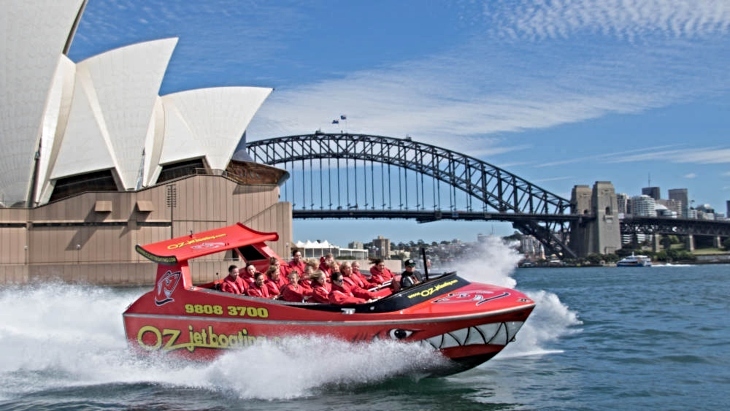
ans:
x=326 y=265
x=248 y=274
x=283 y=268
x=341 y=293
x=380 y=273
x=320 y=293
x=294 y=291
x=297 y=262
x=274 y=281
x=365 y=278
x=355 y=283
x=233 y=283
x=258 y=289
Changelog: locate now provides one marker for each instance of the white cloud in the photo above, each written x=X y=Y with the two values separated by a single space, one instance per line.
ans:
x=710 y=155
x=626 y=19
x=545 y=180
x=690 y=175
x=488 y=87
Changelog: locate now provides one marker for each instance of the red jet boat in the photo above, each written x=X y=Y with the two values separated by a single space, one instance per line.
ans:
x=469 y=323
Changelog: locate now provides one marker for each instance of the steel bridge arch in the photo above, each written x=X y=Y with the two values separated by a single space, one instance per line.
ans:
x=501 y=190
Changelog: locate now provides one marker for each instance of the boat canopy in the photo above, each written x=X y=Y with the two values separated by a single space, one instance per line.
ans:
x=195 y=245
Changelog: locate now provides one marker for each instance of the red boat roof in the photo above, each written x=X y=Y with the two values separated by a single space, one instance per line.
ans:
x=199 y=244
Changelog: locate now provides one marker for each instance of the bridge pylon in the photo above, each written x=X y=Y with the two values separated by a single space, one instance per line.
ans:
x=601 y=233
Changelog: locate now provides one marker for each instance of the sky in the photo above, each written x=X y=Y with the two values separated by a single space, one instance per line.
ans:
x=560 y=93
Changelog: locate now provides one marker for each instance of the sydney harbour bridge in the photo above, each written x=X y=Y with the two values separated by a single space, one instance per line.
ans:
x=356 y=176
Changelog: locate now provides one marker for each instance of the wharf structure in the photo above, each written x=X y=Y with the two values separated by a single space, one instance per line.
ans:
x=94 y=161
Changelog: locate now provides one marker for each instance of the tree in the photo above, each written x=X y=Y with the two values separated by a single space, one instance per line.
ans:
x=726 y=244
x=594 y=259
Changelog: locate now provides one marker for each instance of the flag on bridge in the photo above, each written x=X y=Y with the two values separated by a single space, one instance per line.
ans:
x=335 y=121
x=343 y=117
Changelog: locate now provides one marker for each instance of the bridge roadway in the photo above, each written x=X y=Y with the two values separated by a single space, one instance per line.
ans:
x=629 y=225
x=674 y=226
x=424 y=216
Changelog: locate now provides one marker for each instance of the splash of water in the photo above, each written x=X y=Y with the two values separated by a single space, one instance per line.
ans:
x=58 y=335
x=549 y=321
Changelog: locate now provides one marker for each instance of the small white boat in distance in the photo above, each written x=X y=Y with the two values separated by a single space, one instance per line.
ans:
x=634 y=261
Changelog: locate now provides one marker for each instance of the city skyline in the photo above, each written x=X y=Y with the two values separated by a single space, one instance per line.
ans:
x=559 y=93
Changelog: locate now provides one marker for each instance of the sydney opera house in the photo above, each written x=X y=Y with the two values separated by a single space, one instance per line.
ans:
x=95 y=161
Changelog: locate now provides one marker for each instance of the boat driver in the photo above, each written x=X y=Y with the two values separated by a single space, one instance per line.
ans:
x=410 y=276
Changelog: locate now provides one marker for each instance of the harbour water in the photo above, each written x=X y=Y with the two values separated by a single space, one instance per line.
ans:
x=600 y=338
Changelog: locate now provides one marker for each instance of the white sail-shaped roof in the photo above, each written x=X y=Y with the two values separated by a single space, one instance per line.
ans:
x=111 y=117
x=33 y=37
x=55 y=120
x=208 y=122
x=60 y=119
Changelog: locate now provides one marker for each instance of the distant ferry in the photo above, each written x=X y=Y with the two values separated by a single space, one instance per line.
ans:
x=634 y=261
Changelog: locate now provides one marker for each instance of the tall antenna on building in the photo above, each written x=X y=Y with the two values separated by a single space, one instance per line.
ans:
x=649 y=180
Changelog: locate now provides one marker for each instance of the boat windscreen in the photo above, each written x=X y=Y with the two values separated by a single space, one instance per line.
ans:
x=251 y=253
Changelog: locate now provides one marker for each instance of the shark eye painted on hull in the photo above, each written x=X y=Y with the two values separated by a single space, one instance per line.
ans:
x=399 y=334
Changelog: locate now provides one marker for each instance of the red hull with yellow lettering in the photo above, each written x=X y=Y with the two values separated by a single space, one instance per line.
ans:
x=467 y=322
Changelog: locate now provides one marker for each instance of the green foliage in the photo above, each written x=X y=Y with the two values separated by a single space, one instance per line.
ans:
x=679 y=255
x=726 y=244
x=611 y=258
x=661 y=256
x=594 y=259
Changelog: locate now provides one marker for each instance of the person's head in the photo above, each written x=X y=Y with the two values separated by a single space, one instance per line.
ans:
x=410 y=267
x=251 y=269
x=379 y=264
x=273 y=272
x=336 y=278
x=308 y=270
x=258 y=278
x=318 y=277
x=313 y=263
x=355 y=266
x=293 y=276
x=296 y=255
x=273 y=261
x=233 y=271
x=346 y=269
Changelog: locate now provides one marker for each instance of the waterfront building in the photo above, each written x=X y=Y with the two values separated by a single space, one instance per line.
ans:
x=643 y=206
x=681 y=195
x=653 y=192
x=382 y=247
x=705 y=212
x=95 y=161
x=663 y=211
x=623 y=203
x=671 y=207
x=356 y=245
x=318 y=249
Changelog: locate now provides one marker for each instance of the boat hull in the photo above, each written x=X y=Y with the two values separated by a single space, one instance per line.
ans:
x=468 y=324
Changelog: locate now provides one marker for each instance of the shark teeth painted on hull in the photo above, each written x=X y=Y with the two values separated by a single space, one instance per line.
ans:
x=495 y=334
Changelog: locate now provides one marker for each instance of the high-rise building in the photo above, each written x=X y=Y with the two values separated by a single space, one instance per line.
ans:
x=653 y=192
x=623 y=203
x=727 y=207
x=643 y=206
x=681 y=195
x=673 y=206
x=382 y=246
